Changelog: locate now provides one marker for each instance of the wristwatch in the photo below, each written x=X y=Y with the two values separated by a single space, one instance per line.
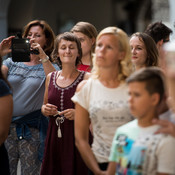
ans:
x=45 y=59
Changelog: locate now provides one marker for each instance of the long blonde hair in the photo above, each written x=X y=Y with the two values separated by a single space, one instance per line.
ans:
x=125 y=65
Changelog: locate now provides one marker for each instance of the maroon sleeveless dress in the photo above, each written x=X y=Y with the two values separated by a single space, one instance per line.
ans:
x=61 y=156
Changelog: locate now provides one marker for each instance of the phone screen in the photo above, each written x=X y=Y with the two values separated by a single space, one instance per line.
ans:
x=20 y=50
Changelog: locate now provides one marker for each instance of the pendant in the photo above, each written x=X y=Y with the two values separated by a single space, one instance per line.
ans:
x=58 y=121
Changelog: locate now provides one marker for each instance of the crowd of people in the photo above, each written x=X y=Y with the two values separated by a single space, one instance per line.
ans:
x=88 y=103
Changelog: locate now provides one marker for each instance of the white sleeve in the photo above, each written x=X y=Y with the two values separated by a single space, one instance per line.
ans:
x=166 y=155
x=83 y=96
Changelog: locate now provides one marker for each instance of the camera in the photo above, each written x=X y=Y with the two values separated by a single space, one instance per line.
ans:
x=21 y=50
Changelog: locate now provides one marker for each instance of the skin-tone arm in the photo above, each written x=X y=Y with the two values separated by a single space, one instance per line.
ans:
x=6 y=110
x=4 y=70
x=111 y=168
x=6 y=107
x=166 y=127
x=48 y=109
x=47 y=65
x=169 y=79
x=82 y=136
x=4 y=50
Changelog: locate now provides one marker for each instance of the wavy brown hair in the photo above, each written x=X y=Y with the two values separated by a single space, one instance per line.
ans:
x=151 y=49
x=48 y=32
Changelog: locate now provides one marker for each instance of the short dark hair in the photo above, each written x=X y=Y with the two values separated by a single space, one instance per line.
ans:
x=153 y=78
x=158 y=31
x=68 y=36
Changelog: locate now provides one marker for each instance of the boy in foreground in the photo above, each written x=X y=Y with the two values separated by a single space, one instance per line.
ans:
x=136 y=149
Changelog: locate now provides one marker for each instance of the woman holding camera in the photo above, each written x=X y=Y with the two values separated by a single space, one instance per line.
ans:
x=27 y=79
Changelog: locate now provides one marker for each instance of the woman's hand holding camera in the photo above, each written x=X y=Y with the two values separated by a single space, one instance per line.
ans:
x=37 y=50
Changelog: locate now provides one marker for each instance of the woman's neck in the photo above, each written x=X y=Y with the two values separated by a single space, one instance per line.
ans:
x=147 y=120
x=69 y=72
x=86 y=59
x=109 y=78
x=139 y=67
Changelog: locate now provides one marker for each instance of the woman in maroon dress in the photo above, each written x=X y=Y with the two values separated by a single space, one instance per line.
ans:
x=61 y=156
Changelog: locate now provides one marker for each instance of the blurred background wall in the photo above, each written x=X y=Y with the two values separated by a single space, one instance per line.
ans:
x=130 y=15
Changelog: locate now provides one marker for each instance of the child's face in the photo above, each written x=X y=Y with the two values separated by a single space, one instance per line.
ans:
x=140 y=101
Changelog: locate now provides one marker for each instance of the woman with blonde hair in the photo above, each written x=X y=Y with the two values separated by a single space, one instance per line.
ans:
x=102 y=99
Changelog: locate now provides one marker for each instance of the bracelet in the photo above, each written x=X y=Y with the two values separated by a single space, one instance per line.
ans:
x=45 y=59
